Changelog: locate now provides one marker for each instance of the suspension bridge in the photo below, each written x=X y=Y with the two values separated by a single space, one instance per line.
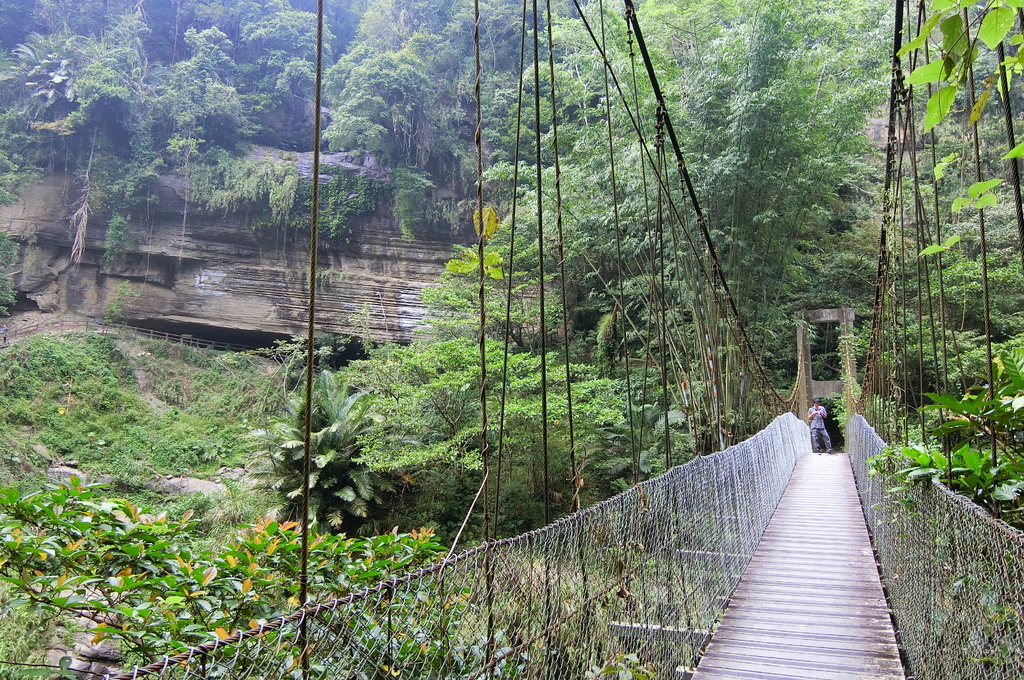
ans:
x=651 y=573
x=763 y=560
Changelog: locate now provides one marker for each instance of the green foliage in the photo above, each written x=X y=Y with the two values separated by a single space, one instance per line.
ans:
x=117 y=239
x=974 y=424
x=340 y=486
x=427 y=429
x=24 y=633
x=226 y=183
x=410 y=197
x=8 y=254
x=78 y=397
x=68 y=550
x=624 y=667
x=117 y=310
x=345 y=196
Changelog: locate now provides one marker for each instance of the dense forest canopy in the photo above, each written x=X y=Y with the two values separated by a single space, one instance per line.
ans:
x=774 y=103
x=771 y=101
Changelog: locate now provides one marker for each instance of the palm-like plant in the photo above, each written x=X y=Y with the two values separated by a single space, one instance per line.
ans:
x=339 y=487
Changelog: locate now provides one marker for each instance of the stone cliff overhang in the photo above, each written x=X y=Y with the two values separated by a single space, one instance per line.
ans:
x=196 y=269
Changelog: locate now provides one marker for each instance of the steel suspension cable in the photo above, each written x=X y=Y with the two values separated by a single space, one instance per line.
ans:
x=540 y=254
x=314 y=237
x=511 y=267
x=573 y=470
x=634 y=449
x=986 y=303
x=729 y=304
x=712 y=252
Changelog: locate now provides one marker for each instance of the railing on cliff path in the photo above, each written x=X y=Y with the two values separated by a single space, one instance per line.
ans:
x=71 y=325
x=648 y=571
x=954 y=575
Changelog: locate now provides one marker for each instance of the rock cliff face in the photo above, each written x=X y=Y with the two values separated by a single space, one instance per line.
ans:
x=215 y=274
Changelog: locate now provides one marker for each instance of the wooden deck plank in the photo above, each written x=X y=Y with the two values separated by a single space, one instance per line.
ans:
x=810 y=605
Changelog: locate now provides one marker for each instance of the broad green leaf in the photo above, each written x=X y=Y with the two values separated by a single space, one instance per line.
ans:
x=946 y=161
x=954 y=39
x=995 y=26
x=919 y=41
x=939 y=105
x=1006 y=492
x=1015 y=152
x=931 y=73
x=986 y=201
x=937 y=248
x=978 y=188
x=972 y=459
x=960 y=203
x=942 y=5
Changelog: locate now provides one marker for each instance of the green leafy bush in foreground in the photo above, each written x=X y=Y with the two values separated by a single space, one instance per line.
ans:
x=981 y=421
x=66 y=550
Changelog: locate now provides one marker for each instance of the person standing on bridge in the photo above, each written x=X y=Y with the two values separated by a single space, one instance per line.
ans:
x=819 y=435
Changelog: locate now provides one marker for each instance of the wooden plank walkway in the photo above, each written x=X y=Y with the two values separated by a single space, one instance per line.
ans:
x=810 y=605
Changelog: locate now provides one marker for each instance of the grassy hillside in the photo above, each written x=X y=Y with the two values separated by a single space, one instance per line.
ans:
x=126 y=408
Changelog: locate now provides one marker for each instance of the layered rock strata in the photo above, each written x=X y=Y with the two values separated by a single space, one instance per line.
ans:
x=183 y=267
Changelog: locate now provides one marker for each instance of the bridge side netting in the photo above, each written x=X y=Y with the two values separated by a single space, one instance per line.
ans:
x=646 y=572
x=954 y=575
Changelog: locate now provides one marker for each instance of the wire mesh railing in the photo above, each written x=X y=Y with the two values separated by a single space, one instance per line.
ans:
x=954 y=575
x=647 y=572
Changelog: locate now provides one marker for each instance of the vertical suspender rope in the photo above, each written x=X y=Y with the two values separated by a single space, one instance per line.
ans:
x=873 y=372
x=933 y=139
x=510 y=270
x=662 y=298
x=1011 y=138
x=482 y=289
x=919 y=243
x=574 y=471
x=540 y=255
x=647 y=234
x=620 y=302
x=481 y=242
x=314 y=236
x=548 y=594
x=984 y=256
